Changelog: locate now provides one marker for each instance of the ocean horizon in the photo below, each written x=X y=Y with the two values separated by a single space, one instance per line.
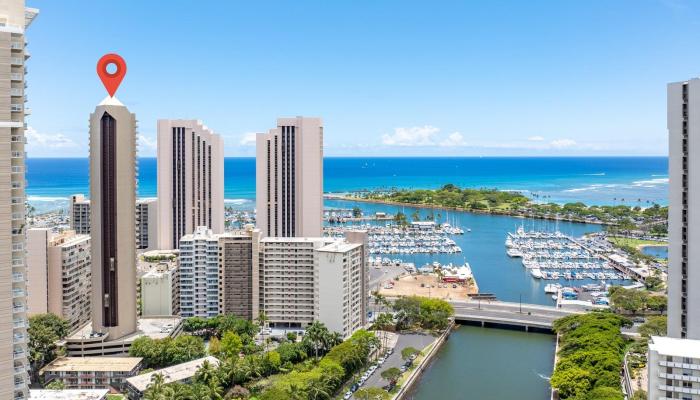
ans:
x=603 y=180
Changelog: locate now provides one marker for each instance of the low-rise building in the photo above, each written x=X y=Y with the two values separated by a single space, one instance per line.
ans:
x=183 y=373
x=92 y=372
x=59 y=275
x=673 y=368
x=68 y=394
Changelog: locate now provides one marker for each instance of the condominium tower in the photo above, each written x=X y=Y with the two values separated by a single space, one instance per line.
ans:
x=219 y=273
x=684 y=209
x=190 y=180
x=59 y=275
x=79 y=212
x=289 y=178
x=14 y=19
x=113 y=218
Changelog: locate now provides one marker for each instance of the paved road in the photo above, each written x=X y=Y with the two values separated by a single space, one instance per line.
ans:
x=377 y=276
x=417 y=341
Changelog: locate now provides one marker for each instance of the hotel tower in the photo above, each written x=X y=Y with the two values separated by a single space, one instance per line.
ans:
x=190 y=180
x=113 y=218
x=289 y=178
x=684 y=210
x=14 y=379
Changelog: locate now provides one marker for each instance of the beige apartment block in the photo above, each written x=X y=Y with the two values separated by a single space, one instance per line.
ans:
x=289 y=178
x=113 y=219
x=147 y=224
x=303 y=280
x=239 y=273
x=14 y=19
x=92 y=372
x=190 y=180
x=79 y=212
x=158 y=291
x=59 y=275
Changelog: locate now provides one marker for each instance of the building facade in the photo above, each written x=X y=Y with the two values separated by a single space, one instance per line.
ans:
x=289 y=178
x=674 y=369
x=79 y=211
x=190 y=180
x=199 y=274
x=147 y=224
x=113 y=218
x=684 y=210
x=239 y=273
x=14 y=20
x=159 y=291
x=59 y=274
x=92 y=372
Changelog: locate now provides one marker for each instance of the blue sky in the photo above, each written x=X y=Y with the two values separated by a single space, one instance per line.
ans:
x=453 y=78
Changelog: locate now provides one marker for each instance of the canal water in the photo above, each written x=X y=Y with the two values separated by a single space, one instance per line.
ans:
x=485 y=363
x=484 y=248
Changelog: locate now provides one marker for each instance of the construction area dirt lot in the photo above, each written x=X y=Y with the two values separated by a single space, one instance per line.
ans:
x=429 y=286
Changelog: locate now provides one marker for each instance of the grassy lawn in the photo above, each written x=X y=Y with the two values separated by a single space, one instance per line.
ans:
x=116 y=397
x=620 y=241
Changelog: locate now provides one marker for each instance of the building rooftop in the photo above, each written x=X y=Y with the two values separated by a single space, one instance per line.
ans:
x=68 y=394
x=271 y=239
x=675 y=347
x=176 y=373
x=155 y=328
x=69 y=364
x=339 y=247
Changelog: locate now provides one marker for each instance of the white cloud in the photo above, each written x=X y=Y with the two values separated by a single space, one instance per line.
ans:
x=46 y=140
x=147 y=142
x=415 y=136
x=454 y=139
x=248 y=139
x=562 y=143
x=536 y=139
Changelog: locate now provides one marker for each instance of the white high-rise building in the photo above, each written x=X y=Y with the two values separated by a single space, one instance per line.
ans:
x=59 y=275
x=14 y=379
x=684 y=209
x=158 y=291
x=674 y=369
x=289 y=178
x=190 y=180
x=308 y=279
x=113 y=177
x=199 y=274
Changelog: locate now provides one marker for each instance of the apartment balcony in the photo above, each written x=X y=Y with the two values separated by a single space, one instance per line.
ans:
x=19 y=354
x=18 y=308
x=16 y=92
x=16 y=61
x=16 y=45
x=16 y=77
x=16 y=107
x=18 y=139
x=18 y=293
x=27 y=111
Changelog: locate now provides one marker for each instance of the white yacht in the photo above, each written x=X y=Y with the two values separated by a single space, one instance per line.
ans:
x=536 y=273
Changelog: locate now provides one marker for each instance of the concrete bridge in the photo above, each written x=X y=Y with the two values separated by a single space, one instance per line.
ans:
x=499 y=314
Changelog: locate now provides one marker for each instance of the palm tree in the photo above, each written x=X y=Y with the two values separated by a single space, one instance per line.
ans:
x=262 y=322
x=206 y=373
x=316 y=333
x=156 y=389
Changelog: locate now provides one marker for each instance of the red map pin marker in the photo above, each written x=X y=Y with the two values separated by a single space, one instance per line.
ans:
x=111 y=81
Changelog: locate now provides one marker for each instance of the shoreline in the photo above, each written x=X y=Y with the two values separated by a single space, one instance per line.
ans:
x=437 y=207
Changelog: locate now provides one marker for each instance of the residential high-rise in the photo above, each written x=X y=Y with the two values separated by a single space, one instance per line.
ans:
x=684 y=210
x=674 y=368
x=159 y=286
x=113 y=218
x=239 y=273
x=79 y=211
x=146 y=220
x=147 y=224
x=190 y=180
x=14 y=19
x=59 y=275
x=199 y=274
x=308 y=279
x=289 y=178
x=219 y=273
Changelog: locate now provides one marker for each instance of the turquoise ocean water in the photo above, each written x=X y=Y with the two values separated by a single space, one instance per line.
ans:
x=593 y=180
